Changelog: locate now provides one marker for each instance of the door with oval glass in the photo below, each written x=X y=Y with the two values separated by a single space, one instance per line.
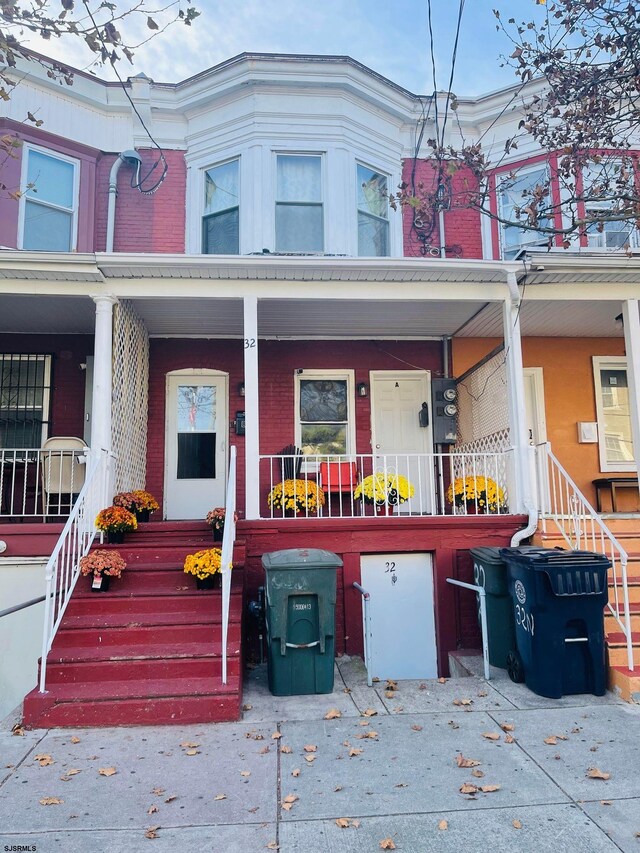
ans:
x=401 y=432
x=196 y=443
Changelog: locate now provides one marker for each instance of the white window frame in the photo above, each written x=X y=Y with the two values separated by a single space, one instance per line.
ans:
x=365 y=165
x=609 y=362
x=322 y=156
x=331 y=375
x=203 y=181
x=542 y=239
x=55 y=155
x=597 y=240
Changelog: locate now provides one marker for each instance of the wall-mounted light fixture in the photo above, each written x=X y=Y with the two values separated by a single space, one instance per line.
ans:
x=240 y=389
x=363 y=389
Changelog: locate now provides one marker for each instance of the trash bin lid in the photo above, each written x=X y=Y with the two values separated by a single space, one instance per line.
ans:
x=487 y=555
x=542 y=559
x=296 y=558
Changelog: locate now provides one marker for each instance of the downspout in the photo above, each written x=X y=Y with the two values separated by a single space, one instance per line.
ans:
x=132 y=158
x=529 y=503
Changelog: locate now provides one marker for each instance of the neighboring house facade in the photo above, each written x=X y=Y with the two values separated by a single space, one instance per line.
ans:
x=264 y=295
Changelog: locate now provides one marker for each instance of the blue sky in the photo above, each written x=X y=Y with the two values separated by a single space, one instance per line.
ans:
x=390 y=37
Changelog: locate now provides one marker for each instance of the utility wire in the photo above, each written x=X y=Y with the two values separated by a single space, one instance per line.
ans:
x=161 y=158
x=454 y=56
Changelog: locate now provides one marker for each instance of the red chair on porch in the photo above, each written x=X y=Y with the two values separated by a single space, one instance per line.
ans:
x=337 y=479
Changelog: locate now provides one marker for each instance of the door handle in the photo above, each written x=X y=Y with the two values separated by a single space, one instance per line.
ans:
x=377 y=447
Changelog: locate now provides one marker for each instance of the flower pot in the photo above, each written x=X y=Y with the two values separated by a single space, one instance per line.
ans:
x=384 y=509
x=217 y=534
x=100 y=583
x=210 y=582
x=143 y=515
x=115 y=537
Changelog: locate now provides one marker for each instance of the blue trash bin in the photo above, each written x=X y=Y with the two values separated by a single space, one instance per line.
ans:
x=558 y=601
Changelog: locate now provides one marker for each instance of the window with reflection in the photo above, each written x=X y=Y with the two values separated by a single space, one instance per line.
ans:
x=196 y=427
x=221 y=218
x=323 y=416
x=373 y=213
x=50 y=202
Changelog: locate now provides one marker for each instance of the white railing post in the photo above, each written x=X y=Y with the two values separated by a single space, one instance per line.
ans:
x=228 y=538
x=251 y=402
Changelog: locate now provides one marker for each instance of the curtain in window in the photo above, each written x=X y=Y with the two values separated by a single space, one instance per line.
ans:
x=299 y=212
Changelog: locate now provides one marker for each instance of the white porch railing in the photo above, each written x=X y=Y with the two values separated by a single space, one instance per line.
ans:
x=430 y=474
x=563 y=504
x=36 y=482
x=62 y=569
x=228 y=539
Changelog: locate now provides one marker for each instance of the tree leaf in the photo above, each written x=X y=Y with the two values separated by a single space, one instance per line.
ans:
x=477 y=773
x=552 y=740
x=43 y=759
x=286 y=749
x=151 y=24
x=107 y=771
x=245 y=773
x=468 y=788
x=310 y=758
x=463 y=702
x=595 y=773
x=516 y=824
x=369 y=712
x=387 y=844
x=332 y=714
x=151 y=832
x=220 y=797
x=507 y=727
x=491 y=735
x=443 y=824
x=152 y=809
x=295 y=772
x=188 y=744
x=51 y=801
x=310 y=747
x=276 y=736
x=461 y=761
x=489 y=789
x=355 y=751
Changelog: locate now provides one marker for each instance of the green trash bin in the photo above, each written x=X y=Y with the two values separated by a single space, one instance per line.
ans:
x=300 y=616
x=490 y=572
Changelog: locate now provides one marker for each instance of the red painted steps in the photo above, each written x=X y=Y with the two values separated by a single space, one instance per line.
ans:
x=149 y=650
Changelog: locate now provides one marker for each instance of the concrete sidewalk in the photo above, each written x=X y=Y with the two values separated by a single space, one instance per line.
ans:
x=393 y=773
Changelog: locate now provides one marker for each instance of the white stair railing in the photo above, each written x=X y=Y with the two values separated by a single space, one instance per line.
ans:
x=228 y=539
x=63 y=566
x=561 y=502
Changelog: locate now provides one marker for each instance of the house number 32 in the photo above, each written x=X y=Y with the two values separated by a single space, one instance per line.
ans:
x=249 y=343
x=390 y=568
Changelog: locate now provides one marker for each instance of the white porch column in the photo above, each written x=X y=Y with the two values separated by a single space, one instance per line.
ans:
x=631 y=319
x=252 y=423
x=102 y=374
x=516 y=398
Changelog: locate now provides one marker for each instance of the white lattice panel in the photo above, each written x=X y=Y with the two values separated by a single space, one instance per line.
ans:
x=482 y=404
x=130 y=397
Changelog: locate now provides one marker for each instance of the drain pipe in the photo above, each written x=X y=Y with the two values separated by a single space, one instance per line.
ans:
x=529 y=501
x=131 y=158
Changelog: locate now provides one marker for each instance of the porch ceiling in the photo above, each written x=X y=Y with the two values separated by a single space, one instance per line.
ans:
x=317 y=318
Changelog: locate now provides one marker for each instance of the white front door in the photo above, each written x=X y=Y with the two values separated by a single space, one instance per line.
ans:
x=402 y=632
x=397 y=435
x=196 y=443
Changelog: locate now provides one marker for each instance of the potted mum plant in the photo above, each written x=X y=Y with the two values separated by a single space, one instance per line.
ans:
x=115 y=521
x=139 y=502
x=476 y=495
x=215 y=519
x=384 y=490
x=206 y=566
x=295 y=497
x=102 y=565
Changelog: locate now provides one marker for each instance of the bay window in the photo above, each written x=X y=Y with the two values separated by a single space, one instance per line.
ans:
x=514 y=193
x=221 y=218
x=373 y=213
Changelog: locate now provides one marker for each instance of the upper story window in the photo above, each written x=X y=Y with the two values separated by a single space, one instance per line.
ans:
x=513 y=194
x=601 y=183
x=49 y=208
x=221 y=218
x=373 y=213
x=299 y=209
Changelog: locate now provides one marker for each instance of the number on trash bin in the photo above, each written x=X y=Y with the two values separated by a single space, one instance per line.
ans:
x=524 y=620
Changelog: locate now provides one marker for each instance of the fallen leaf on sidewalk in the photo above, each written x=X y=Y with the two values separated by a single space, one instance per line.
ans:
x=391 y=684
x=606 y=803
x=440 y=681
x=477 y=773
x=192 y=752
x=387 y=844
x=552 y=740
x=489 y=789
x=415 y=728
x=17 y=730
x=595 y=773
x=337 y=788
x=516 y=824
x=333 y=714
x=276 y=736
x=482 y=694
x=369 y=712
x=171 y=798
x=507 y=727
x=310 y=758
x=272 y=845
x=245 y=773
x=453 y=724
x=310 y=747
x=295 y=772
x=461 y=761
x=107 y=771
x=188 y=744
x=264 y=750
x=347 y=822
x=364 y=735
x=463 y=702
x=158 y=791
x=389 y=694
x=444 y=824
x=51 y=801
x=152 y=809
x=43 y=759
x=468 y=788
x=286 y=749
x=509 y=739
x=72 y=771
x=151 y=832
x=247 y=707
x=287 y=803
x=363 y=723
x=75 y=739
x=491 y=735
x=355 y=751
x=220 y=797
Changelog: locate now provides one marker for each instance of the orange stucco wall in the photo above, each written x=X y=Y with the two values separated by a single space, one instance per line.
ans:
x=569 y=396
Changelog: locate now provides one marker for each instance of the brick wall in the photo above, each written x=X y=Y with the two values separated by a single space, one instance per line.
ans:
x=461 y=225
x=144 y=223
